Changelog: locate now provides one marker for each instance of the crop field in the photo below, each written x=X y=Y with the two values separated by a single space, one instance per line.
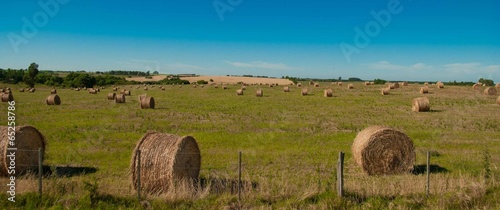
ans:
x=289 y=145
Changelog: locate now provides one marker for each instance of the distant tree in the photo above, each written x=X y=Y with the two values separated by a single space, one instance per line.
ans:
x=29 y=77
x=340 y=78
x=487 y=82
x=379 y=81
x=156 y=72
x=201 y=82
x=354 y=79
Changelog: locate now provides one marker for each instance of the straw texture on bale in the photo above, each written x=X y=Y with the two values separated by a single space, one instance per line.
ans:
x=111 y=96
x=166 y=159
x=424 y=90
x=491 y=91
x=421 y=104
x=498 y=100
x=54 y=91
x=328 y=93
x=440 y=85
x=259 y=93
x=53 y=99
x=383 y=151
x=339 y=83
x=27 y=138
x=350 y=86
x=120 y=98
x=127 y=93
x=304 y=92
x=385 y=91
x=147 y=102
x=7 y=97
x=497 y=86
x=476 y=86
x=286 y=89
x=396 y=85
x=239 y=92
x=404 y=84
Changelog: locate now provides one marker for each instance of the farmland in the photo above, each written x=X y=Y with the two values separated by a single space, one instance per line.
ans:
x=289 y=146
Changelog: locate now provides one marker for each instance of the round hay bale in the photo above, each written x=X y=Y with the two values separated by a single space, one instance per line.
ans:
x=304 y=92
x=111 y=96
x=424 y=90
x=147 y=102
x=92 y=91
x=491 y=91
x=21 y=90
x=239 y=92
x=32 y=90
x=404 y=84
x=145 y=88
x=115 y=89
x=202 y=86
x=392 y=86
x=497 y=86
x=299 y=84
x=385 y=91
x=6 y=97
x=440 y=85
x=54 y=91
x=259 y=93
x=498 y=100
x=127 y=93
x=286 y=89
x=311 y=82
x=383 y=151
x=166 y=160
x=120 y=98
x=350 y=86
x=243 y=87
x=328 y=93
x=421 y=104
x=476 y=87
x=396 y=85
x=28 y=140
x=224 y=87
x=53 y=99
x=316 y=84
x=426 y=83
x=367 y=83
x=216 y=86
x=339 y=83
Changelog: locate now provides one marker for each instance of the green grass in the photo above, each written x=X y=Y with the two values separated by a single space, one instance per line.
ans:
x=289 y=143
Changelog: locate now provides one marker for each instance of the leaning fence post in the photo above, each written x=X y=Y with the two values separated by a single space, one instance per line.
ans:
x=428 y=173
x=139 y=175
x=239 y=177
x=340 y=175
x=40 y=171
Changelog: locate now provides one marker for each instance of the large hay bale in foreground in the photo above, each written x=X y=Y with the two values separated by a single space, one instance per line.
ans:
x=53 y=100
x=383 y=151
x=424 y=90
x=147 y=102
x=421 y=104
x=111 y=96
x=120 y=98
x=491 y=91
x=328 y=93
x=166 y=159
x=28 y=140
x=6 y=97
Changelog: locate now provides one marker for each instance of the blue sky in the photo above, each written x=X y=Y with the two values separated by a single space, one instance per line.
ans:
x=394 y=40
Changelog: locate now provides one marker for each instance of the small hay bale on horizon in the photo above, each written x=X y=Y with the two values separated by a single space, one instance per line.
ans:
x=440 y=85
x=21 y=90
x=111 y=96
x=316 y=84
x=476 y=86
x=380 y=150
x=28 y=140
x=491 y=91
x=424 y=90
x=166 y=160
x=53 y=99
x=421 y=104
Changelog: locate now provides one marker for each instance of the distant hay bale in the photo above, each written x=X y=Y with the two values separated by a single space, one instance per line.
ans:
x=372 y=83
x=404 y=84
x=497 y=86
x=120 y=98
x=53 y=99
x=92 y=91
x=111 y=96
x=224 y=87
x=440 y=85
x=304 y=92
x=299 y=84
x=180 y=86
x=6 y=97
x=396 y=85
x=333 y=83
x=243 y=87
x=202 y=86
x=165 y=160
x=498 y=100
x=195 y=86
x=28 y=140
x=21 y=90
x=32 y=90
x=367 y=83
x=339 y=83
x=239 y=92
x=350 y=86
x=286 y=89
x=98 y=89
x=491 y=91
x=316 y=84
x=426 y=83
x=476 y=86
x=424 y=90
x=162 y=88
x=311 y=82
x=259 y=93
x=145 y=88
x=328 y=93
x=54 y=91
x=115 y=89
x=383 y=151
x=147 y=102
x=392 y=86
x=216 y=86
x=421 y=104
x=127 y=93
x=385 y=91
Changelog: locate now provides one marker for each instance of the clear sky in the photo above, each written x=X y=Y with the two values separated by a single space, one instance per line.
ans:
x=395 y=40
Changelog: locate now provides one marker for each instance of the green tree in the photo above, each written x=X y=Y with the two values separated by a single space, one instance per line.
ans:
x=29 y=77
x=487 y=82
x=379 y=81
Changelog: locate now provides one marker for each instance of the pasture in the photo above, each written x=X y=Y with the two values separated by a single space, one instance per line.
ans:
x=289 y=146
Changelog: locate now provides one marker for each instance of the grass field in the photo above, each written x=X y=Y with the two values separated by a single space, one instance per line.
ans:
x=289 y=146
